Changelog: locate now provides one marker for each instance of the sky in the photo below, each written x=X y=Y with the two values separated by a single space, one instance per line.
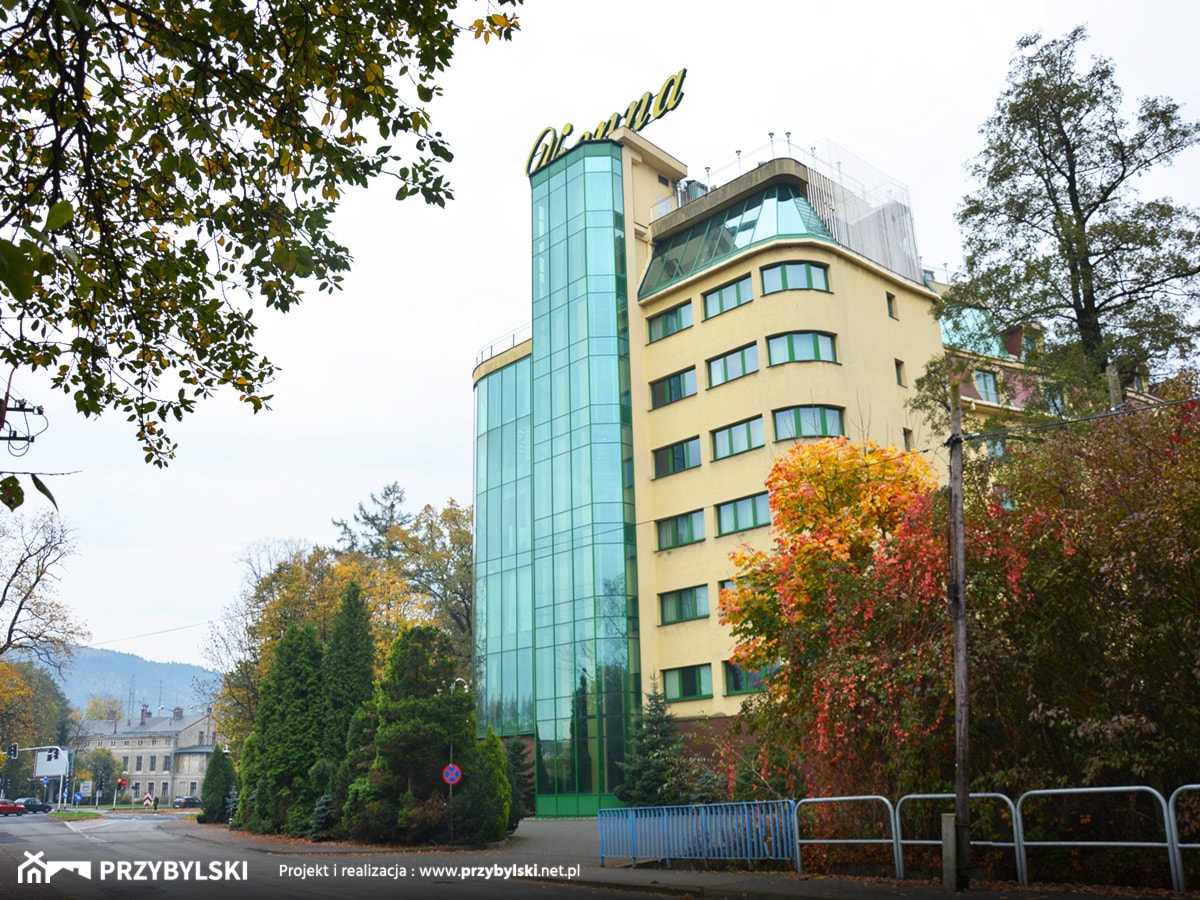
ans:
x=375 y=381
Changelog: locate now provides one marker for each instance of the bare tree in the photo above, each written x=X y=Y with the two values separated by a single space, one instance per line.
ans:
x=32 y=552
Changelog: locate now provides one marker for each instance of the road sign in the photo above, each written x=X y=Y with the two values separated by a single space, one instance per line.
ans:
x=78 y=796
x=452 y=774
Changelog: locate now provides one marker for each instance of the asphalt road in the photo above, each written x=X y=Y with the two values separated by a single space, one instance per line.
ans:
x=141 y=856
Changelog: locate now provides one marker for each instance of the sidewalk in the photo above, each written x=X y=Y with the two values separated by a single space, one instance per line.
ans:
x=574 y=842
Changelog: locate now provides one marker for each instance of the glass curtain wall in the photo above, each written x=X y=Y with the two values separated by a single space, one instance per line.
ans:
x=504 y=551
x=583 y=553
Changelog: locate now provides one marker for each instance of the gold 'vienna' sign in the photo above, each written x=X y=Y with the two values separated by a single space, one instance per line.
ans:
x=549 y=145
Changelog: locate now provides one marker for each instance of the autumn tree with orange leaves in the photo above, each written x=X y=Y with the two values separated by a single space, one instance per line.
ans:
x=845 y=617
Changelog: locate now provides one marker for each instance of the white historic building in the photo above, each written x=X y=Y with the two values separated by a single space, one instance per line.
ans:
x=163 y=756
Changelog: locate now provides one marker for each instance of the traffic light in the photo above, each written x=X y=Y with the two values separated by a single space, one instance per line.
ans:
x=12 y=750
x=100 y=784
x=121 y=782
x=52 y=754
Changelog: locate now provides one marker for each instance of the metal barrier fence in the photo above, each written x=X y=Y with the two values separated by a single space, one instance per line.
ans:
x=1011 y=845
x=742 y=831
x=770 y=830
x=1169 y=828
x=892 y=840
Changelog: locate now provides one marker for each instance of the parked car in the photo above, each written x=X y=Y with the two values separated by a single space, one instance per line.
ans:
x=186 y=803
x=34 y=805
x=11 y=808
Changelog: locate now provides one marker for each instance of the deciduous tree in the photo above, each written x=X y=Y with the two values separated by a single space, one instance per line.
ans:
x=32 y=554
x=843 y=617
x=1056 y=232
x=161 y=164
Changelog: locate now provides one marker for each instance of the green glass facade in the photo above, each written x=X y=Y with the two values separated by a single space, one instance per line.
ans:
x=556 y=627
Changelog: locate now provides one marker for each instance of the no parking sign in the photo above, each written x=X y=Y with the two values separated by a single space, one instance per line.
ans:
x=452 y=774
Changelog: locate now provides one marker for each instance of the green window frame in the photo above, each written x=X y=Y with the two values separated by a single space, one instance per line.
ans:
x=673 y=388
x=688 y=683
x=738 y=438
x=808 y=421
x=744 y=681
x=669 y=322
x=891 y=306
x=795 y=276
x=683 y=605
x=743 y=514
x=801 y=346
x=987 y=386
x=678 y=531
x=732 y=365
x=727 y=297
x=901 y=378
x=677 y=457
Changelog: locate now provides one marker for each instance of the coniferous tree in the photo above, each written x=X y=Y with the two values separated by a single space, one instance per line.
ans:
x=419 y=720
x=348 y=670
x=655 y=754
x=288 y=736
x=520 y=776
x=219 y=779
x=480 y=811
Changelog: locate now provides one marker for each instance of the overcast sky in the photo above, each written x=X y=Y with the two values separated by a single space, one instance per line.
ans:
x=375 y=384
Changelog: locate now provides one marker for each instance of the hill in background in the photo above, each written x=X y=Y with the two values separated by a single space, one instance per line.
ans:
x=93 y=672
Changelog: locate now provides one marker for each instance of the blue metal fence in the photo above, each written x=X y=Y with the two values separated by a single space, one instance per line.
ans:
x=743 y=831
x=769 y=830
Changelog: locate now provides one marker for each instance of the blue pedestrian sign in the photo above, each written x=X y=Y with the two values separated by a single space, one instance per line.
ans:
x=452 y=774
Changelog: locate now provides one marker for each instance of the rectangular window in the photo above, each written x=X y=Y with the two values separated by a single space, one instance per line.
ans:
x=139 y=765
x=677 y=457
x=153 y=761
x=728 y=297
x=672 y=388
x=124 y=763
x=801 y=346
x=995 y=447
x=891 y=306
x=738 y=438
x=690 y=683
x=900 y=380
x=908 y=439
x=680 y=606
x=667 y=323
x=166 y=764
x=733 y=365
x=740 y=515
x=679 y=530
x=985 y=383
x=743 y=681
x=795 y=276
x=807 y=421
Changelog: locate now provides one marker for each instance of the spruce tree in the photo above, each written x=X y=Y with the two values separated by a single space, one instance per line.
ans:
x=655 y=755
x=520 y=776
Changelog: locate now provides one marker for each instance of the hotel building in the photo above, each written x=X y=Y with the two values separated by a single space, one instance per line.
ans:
x=684 y=336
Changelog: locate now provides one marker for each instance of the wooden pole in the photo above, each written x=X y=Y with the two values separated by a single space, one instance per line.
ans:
x=958 y=613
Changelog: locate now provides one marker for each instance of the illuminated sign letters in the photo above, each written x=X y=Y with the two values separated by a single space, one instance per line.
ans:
x=550 y=143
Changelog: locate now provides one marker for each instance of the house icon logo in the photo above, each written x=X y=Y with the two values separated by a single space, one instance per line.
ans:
x=36 y=870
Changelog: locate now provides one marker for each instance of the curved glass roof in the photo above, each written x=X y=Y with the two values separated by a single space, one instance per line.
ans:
x=778 y=211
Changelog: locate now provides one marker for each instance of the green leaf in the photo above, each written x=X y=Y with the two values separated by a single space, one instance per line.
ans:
x=16 y=270
x=45 y=491
x=60 y=214
x=11 y=494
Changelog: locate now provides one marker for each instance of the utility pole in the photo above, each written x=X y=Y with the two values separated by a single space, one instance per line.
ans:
x=958 y=614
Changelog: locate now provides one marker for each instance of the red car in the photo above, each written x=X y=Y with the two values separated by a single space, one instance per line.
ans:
x=8 y=808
